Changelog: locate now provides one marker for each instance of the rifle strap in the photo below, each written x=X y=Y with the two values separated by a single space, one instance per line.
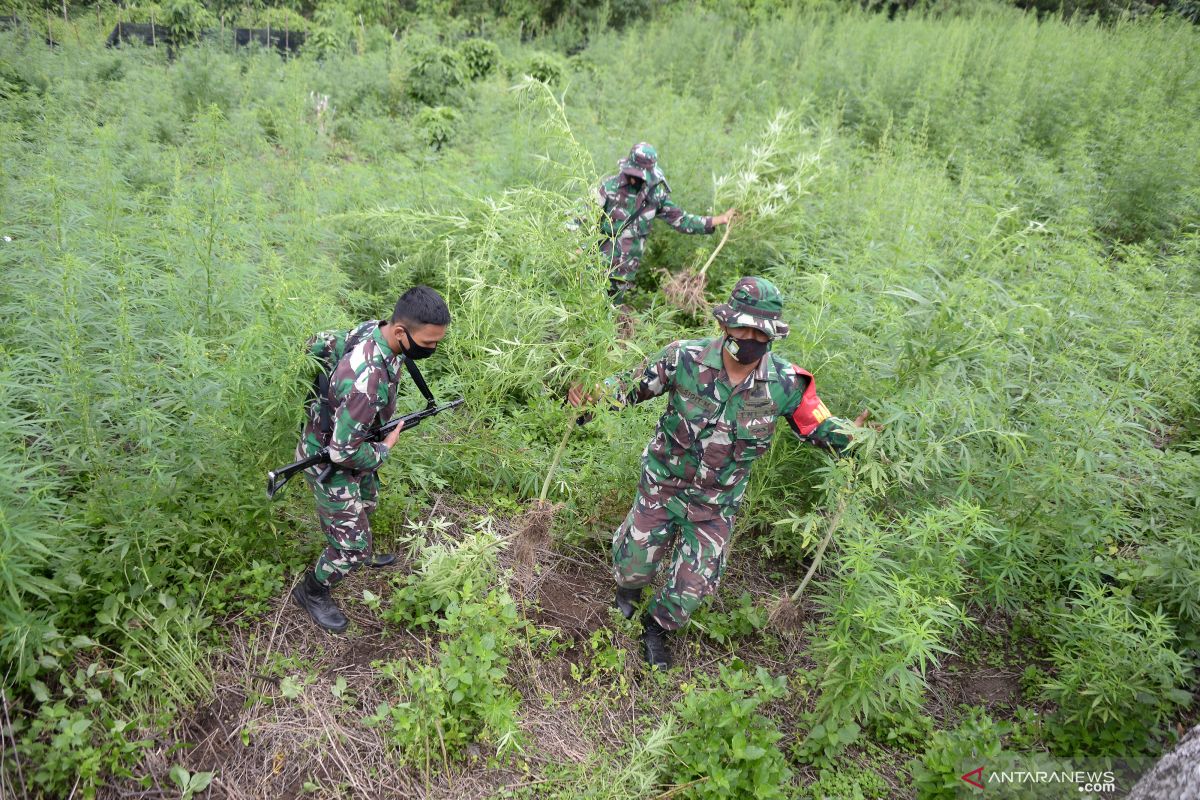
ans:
x=324 y=413
x=419 y=380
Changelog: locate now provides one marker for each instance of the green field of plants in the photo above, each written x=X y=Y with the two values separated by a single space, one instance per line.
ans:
x=987 y=229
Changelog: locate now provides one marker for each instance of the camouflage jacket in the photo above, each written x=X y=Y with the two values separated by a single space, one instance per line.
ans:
x=362 y=394
x=711 y=432
x=620 y=202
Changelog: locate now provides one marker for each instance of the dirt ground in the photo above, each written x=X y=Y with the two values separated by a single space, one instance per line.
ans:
x=264 y=742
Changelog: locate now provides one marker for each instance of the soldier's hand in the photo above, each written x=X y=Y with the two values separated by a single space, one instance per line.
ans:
x=862 y=418
x=726 y=218
x=577 y=397
x=389 y=441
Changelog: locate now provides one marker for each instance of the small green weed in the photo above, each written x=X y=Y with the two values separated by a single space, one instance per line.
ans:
x=725 y=742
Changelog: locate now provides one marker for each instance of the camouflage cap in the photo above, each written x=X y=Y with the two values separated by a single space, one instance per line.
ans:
x=642 y=163
x=755 y=303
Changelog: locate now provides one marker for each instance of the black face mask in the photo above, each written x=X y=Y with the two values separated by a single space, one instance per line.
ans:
x=416 y=351
x=746 y=351
x=636 y=183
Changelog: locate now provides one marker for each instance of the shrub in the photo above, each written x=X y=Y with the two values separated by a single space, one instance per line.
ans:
x=332 y=31
x=825 y=741
x=851 y=782
x=463 y=697
x=1117 y=679
x=186 y=19
x=743 y=619
x=436 y=126
x=976 y=741
x=432 y=74
x=479 y=57
x=724 y=740
x=545 y=67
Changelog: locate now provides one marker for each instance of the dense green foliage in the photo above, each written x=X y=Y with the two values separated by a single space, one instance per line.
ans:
x=726 y=745
x=462 y=698
x=985 y=226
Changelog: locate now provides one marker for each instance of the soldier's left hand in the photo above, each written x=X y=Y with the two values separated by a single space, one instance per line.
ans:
x=861 y=420
x=394 y=435
x=726 y=218
x=577 y=397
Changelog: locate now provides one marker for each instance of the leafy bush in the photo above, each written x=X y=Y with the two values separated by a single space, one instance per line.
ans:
x=851 y=782
x=825 y=741
x=436 y=126
x=186 y=19
x=907 y=731
x=741 y=620
x=978 y=741
x=332 y=31
x=463 y=698
x=479 y=57
x=545 y=67
x=1117 y=679
x=432 y=74
x=975 y=742
x=724 y=740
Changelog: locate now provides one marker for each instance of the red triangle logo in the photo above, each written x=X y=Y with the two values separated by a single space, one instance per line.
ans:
x=977 y=773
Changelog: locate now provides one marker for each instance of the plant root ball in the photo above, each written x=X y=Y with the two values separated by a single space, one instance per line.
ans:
x=533 y=537
x=786 y=616
x=685 y=291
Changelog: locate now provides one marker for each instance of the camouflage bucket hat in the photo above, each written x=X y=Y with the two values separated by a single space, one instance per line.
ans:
x=642 y=163
x=755 y=303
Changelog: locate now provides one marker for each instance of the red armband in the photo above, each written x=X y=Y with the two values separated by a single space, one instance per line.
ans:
x=811 y=412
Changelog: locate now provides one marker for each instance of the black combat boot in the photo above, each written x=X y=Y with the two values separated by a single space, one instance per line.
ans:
x=626 y=600
x=654 y=643
x=378 y=560
x=314 y=598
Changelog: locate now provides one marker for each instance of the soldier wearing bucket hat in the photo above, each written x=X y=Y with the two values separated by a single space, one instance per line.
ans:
x=725 y=395
x=630 y=201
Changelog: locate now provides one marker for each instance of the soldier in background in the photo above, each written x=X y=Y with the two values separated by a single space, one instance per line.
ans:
x=631 y=200
x=725 y=394
x=360 y=394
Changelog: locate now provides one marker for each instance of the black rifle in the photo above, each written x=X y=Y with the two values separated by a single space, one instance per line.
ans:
x=277 y=478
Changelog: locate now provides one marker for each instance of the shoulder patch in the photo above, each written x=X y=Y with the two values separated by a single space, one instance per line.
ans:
x=811 y=412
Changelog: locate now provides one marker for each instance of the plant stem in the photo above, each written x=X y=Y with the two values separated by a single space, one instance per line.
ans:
x=558 y=454
x=725 y=238
x=834 y=522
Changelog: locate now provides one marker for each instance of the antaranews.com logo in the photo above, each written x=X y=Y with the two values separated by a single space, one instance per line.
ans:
x=1084 y=781
x=1041 y=776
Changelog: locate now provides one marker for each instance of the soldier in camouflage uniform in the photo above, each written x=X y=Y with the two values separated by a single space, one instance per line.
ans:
x=631 y=200
x=724 y=396
x=361 y=395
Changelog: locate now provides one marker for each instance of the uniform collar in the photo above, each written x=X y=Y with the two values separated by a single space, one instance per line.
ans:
x=710 y=356
x=386 y=351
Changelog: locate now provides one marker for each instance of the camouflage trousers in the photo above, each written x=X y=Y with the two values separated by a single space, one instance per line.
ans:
x=621 y=277
x=344 y=506
x=650 y=529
